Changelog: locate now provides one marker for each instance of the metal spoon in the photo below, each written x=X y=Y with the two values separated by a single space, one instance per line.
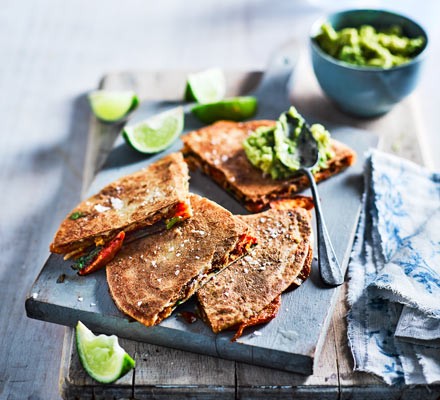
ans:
x=308 y=156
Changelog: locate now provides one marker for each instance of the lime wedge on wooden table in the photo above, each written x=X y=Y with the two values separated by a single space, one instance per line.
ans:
x=233 y=109
x=101 y=356
x=206 y=86
x=111 y=105
x=155 y=133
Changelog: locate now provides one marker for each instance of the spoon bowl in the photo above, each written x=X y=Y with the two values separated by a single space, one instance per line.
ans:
x=307 y=148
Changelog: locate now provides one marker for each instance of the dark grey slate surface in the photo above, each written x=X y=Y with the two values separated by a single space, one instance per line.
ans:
x=292 y=341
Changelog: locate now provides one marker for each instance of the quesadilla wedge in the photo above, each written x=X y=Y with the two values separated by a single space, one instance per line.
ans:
x=217 y=150
x=145 y=201
x=245 y=293
x=151 y=276
x=269 y=312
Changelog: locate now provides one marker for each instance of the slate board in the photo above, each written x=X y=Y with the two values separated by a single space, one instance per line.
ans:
x=294 y=339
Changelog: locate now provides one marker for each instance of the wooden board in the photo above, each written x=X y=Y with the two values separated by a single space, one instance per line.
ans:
x=294 y=339
x=168 y=373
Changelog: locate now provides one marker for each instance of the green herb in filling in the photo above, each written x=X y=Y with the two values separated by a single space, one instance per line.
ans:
x=173 y=221
x=86 y=259
x=75 y=215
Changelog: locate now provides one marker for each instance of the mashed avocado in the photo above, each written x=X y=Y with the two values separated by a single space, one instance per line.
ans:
x=365 y=46
x=273 y=149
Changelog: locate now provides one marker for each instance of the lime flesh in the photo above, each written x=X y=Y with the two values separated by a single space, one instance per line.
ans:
x=101 y=356
x=233 y=109
x=112 y=106
x=156 y=133
x=206 y=86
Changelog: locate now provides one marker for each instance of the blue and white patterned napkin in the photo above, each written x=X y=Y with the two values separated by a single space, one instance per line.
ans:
x=395 y=266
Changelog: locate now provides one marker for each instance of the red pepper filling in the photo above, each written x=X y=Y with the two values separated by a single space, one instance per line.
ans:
x=267 y=314
x=105 y=255
x=292 y=203
x=189 y=317
x=182 y=210
x=245 y=242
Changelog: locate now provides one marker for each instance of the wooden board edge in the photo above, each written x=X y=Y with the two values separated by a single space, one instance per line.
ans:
x=68 y=341
x=288 y=392
x=386 y=392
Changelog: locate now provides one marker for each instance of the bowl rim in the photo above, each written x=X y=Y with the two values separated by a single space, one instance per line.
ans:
x=318 y=23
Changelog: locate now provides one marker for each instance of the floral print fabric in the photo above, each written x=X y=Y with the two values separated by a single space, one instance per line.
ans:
x=395 y=263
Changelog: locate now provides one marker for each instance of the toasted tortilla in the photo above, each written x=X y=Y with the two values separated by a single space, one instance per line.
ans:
x=282 y=258
x=151 y=276
x=217 y=150
x=136 y=201
x=270 y=311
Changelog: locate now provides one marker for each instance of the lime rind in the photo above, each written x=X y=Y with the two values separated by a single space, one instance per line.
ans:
x=102 y=356
x=157 y=133
x=206 y=86
x=112 y=106
x=232 y=109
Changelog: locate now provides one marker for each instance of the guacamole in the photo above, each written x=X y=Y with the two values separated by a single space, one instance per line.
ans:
x=273 y=149
x=365 y=46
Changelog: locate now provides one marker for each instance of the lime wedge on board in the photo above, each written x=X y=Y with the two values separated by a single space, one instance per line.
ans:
x=206 y=86
x=101 y=356
x=155 y=133
x=233 y=109
x=111 y=105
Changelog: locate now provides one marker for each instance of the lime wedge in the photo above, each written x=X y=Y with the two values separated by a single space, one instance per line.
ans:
x=156 y=133
x=206 y=86
x=101 y=356
x=233 y=109
x=112 y=106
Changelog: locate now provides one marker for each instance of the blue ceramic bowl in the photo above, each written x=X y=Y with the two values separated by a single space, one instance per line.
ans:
x=366 y=91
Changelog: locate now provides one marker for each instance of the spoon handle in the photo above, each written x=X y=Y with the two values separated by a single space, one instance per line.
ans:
x=329 y=267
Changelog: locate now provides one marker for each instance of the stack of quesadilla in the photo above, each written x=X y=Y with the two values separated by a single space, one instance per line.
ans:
x=151 y=270
x=145 y=201
x=151 y=276
x=218 y=151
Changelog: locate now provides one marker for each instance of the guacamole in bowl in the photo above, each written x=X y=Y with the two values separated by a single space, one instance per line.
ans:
x=366 y=61
x=366 y=46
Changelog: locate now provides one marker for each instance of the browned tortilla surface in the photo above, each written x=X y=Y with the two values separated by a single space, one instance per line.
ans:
x=131 y=202
x=218 y=151
x=270 y=311
x=150 y=276
x=248 y=285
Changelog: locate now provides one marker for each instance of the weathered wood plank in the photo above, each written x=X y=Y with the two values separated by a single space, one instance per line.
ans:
x=75 y=383
x=170 y=84
x=163 y=373
x=258 y=382
x=35 y=172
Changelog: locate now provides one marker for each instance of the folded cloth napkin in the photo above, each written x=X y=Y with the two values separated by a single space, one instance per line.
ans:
x=414 y=327
x=395 y=266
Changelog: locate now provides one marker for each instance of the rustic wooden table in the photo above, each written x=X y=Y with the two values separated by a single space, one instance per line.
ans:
x=52 y=53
